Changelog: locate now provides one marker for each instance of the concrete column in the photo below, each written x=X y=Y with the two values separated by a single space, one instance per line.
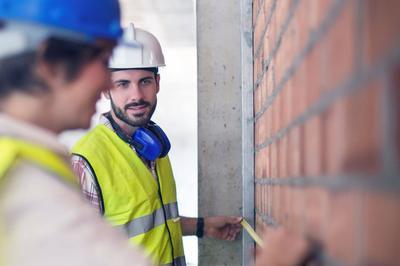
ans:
x=219 y=122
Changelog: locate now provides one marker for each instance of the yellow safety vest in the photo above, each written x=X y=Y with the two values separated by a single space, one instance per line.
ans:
x=133 y=199
x=13 y=150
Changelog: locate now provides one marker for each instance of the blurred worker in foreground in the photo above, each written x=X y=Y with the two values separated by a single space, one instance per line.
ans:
x=123 y=162
x=283 y=248
x=49 y=53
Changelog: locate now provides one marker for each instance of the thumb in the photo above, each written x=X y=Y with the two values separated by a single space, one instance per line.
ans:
x=233 y=219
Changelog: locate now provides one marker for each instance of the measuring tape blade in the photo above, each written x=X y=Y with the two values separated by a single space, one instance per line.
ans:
x=252 y=233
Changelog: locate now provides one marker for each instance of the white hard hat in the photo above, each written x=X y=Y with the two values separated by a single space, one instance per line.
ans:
x=137 y=49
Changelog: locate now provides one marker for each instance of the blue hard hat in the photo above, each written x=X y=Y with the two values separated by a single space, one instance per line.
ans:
x=90 y=18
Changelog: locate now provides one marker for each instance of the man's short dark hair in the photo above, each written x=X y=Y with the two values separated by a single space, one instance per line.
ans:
x=151 y=69
x=17 y=72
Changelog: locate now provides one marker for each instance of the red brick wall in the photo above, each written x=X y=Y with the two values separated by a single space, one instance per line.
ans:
x=327 y=128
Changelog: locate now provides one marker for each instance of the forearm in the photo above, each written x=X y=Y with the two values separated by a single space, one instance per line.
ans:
x=188 y=226
x=220 y=227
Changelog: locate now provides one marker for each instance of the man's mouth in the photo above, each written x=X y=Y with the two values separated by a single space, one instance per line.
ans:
x=136 y=107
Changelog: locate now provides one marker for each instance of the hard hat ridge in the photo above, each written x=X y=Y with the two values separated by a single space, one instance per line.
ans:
x=131 y=33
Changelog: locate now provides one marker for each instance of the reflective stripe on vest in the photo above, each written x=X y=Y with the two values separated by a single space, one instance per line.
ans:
x=131 y=194
x=144 y=224
x=14 y=149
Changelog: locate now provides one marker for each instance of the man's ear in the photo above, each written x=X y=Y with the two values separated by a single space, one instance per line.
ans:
x=158 y=82
x=52 y=76
x=106 y=94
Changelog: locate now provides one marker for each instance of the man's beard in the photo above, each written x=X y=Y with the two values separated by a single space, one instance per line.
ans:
x=137 y=120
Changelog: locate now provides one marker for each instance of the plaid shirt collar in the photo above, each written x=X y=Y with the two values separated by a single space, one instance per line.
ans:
x=105 y=121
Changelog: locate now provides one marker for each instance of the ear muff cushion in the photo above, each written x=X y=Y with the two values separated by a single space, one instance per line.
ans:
x=166 y=145
x=147 y=144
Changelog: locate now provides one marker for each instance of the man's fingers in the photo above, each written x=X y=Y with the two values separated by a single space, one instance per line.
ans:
x=234 y=219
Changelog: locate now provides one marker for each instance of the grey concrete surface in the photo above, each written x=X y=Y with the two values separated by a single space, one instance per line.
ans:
x=219 y=122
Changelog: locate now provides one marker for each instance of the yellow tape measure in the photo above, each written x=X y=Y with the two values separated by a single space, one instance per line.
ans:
x=252 y=233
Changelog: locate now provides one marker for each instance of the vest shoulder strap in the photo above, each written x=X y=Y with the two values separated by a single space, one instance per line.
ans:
x=14 y=149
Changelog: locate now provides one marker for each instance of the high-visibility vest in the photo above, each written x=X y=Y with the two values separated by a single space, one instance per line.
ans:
x=12 y=150
x=133 y=199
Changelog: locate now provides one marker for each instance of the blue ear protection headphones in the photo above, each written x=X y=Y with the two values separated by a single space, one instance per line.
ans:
x=150 y=142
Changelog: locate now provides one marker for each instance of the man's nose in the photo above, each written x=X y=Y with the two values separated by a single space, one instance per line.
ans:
x=135 y=92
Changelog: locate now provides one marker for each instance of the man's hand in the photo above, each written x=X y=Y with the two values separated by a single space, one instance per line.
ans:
x=282 y=248
x=222 y=227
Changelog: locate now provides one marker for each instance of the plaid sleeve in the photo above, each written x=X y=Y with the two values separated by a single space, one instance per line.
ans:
x=87 y=181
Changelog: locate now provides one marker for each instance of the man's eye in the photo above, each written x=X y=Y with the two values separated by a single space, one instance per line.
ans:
x=146 y=82
x=123 y=84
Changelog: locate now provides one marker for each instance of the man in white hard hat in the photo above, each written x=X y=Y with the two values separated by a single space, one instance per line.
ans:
x=123 y=164
x=47 y=62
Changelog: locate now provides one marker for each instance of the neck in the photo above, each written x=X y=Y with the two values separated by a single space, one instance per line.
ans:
x=127 y=129
x=31 y=108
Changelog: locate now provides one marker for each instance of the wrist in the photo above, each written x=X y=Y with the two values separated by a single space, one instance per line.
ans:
x=200 y=227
